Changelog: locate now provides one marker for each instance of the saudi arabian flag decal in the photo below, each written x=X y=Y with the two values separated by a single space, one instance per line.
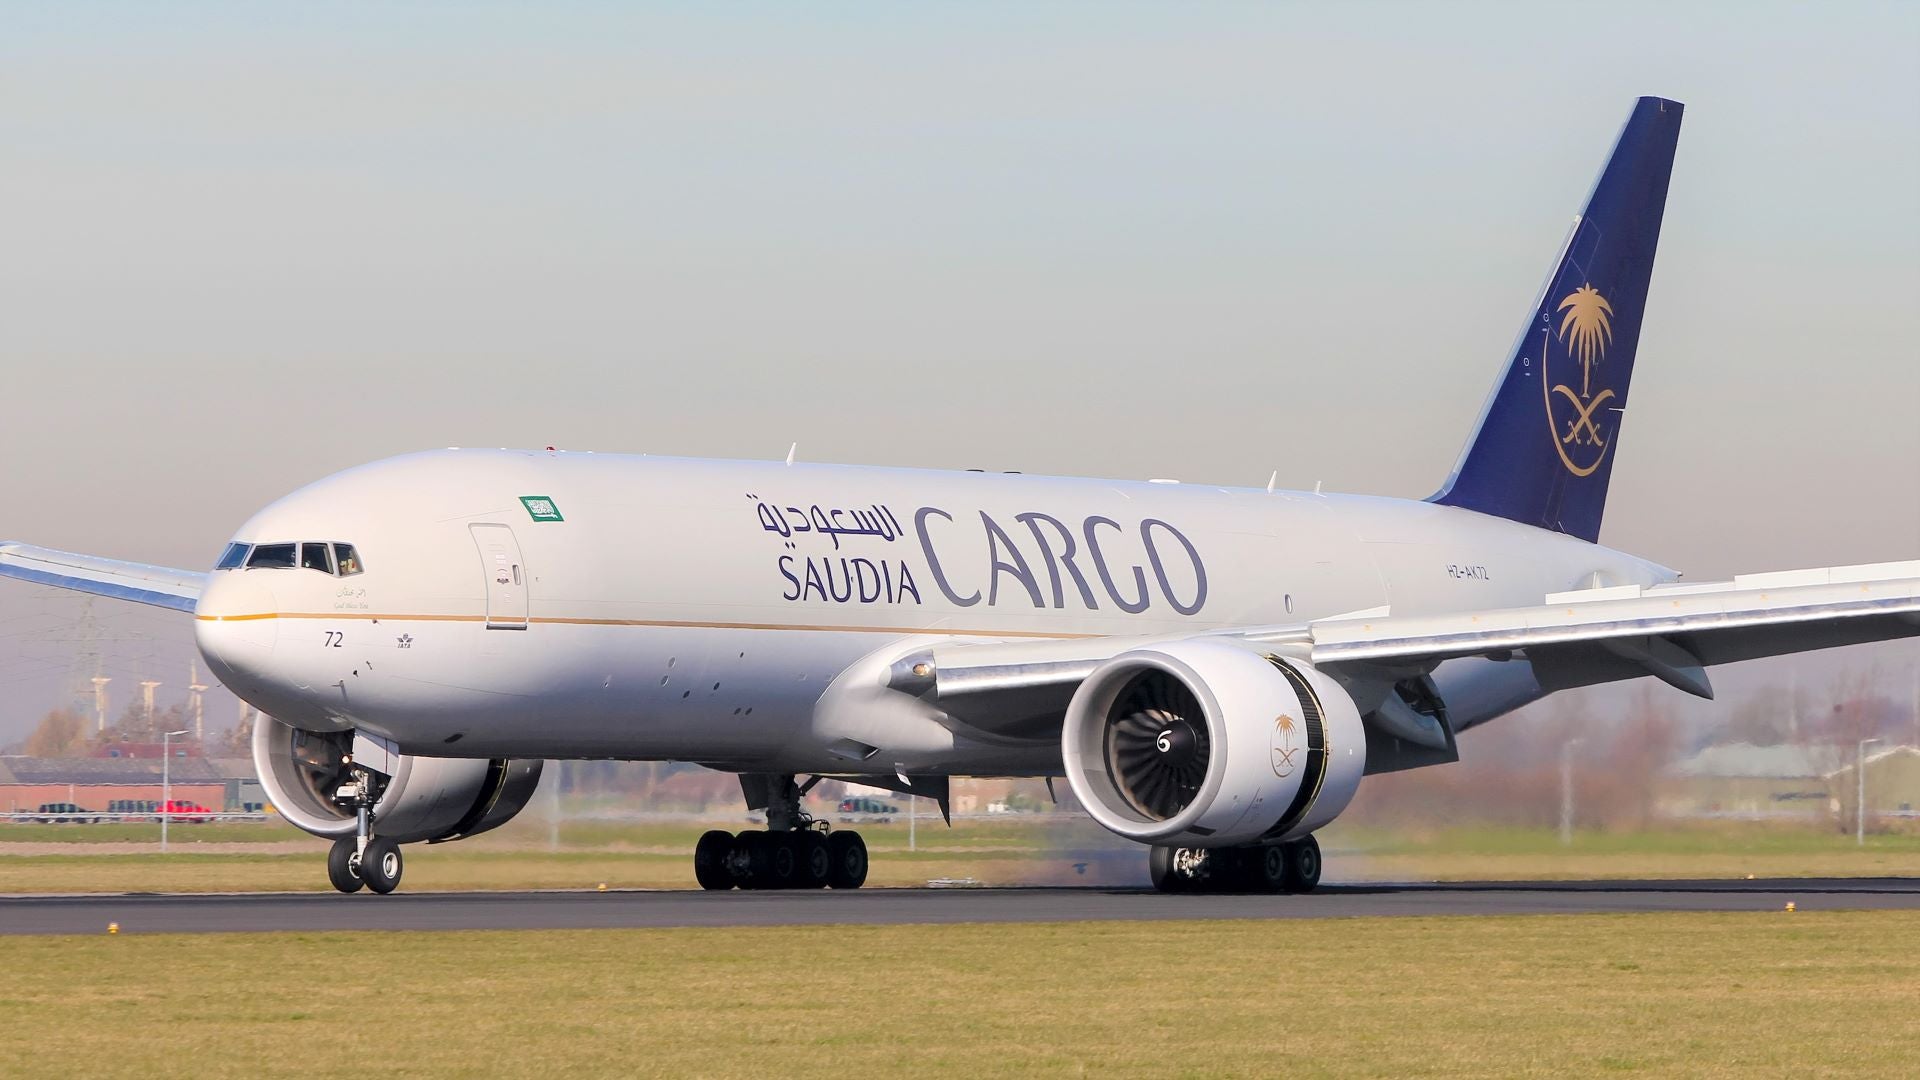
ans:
x=541 y=508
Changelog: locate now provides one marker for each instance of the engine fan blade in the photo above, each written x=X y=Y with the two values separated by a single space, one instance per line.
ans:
x=1159 y=777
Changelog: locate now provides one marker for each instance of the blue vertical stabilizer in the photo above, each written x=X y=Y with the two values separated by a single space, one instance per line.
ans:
x=1549 y=433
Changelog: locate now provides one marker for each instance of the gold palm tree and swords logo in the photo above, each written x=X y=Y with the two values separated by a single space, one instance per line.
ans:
x=1286 y=744
x=1576 y=416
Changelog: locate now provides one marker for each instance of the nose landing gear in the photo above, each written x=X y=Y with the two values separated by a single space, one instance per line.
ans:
x=343 y=865
x=380 y=866
x=362 y=860
x=377 y=867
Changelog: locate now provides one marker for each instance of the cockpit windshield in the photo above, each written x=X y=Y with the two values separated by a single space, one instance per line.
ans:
x=271 y=557
x=316 y=557
x=327 y=556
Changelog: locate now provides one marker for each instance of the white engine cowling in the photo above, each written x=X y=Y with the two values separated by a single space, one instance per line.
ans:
x=424 y=799
x=1203 y=743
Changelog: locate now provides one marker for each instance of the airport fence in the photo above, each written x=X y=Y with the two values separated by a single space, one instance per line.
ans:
x=88 y=817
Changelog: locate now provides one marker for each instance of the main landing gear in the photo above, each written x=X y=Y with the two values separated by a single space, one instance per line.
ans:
x=1279 y=868
x=794 y=851
x=809 y=858
x=362 y=859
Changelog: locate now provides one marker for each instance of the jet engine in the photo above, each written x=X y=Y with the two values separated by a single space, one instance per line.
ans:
x=1209 y=744
x=432 y=799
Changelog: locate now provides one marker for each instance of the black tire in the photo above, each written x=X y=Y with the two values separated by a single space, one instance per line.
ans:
x=1224 y=870
x=1160 y=869
x=343 y=865
x=847 y=858
x=381 y=866
x=1269 y=869
x=816 y=860
x=756 y=849
x=783 y=860
x=1303 y=865
x=710 y=860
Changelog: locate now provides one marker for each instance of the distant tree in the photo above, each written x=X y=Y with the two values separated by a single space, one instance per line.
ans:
x=132 y=725
x=62 y=733
x=1835 y=728
x=1764 y=719
x=236 y=741
x=1623 y=777
x=1854 y=711
x=172 y=718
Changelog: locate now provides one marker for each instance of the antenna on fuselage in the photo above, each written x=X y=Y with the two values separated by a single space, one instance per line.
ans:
x=791 y=450
x=1272 y=480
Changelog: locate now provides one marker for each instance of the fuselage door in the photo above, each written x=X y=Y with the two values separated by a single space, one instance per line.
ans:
x=506 y=576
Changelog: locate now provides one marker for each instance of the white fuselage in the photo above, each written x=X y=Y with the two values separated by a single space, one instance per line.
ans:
x=568 y=605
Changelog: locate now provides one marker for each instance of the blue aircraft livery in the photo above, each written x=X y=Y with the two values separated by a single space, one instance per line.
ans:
x=1547 y=440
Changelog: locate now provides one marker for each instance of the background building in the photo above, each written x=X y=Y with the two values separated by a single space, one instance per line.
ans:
x=94 y=782
x=1791 y=780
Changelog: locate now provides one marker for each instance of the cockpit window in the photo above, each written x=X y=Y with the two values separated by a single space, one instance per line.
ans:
x=275 y=556
x=332 y=559
x=317 y=556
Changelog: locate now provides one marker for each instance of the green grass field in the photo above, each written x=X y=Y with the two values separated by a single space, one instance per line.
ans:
x=144 y=832
x=445 y=869
x=999 y=851
x=529 y=832
x=1728 y=995
x=1707 y=850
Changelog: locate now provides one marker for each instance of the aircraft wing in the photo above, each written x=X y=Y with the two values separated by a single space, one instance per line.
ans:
x=1668 y=631
x=1671 y=632
x=157 y=585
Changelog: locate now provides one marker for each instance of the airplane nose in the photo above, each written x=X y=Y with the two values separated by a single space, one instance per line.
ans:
x=235 y=627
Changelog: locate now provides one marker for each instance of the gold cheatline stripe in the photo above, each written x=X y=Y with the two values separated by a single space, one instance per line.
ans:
x=667 y=623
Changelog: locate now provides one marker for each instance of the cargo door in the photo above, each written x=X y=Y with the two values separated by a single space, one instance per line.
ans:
x=506 y=576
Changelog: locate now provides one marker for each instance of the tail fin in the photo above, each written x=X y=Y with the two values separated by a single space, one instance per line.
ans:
x=1547 y=438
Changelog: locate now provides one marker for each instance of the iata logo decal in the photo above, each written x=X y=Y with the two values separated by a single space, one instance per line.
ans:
x=1579 y=418
x=1286 y=745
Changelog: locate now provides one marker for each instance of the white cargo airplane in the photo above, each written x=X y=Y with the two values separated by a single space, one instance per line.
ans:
x=1212 y=669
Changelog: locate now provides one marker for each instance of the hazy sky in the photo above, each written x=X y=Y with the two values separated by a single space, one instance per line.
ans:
x=246 y=246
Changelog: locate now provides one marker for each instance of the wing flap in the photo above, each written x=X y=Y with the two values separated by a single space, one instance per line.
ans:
x=159 y=586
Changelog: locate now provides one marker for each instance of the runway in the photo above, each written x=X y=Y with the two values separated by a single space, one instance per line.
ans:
x=138 y=913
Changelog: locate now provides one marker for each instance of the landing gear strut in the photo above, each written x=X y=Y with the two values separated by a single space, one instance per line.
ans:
x=1279 y=868
x=362 y=860
x=794 y=851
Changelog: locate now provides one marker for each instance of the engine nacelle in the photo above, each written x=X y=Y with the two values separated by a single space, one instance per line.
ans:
x=1202 y=743
x=423 y=799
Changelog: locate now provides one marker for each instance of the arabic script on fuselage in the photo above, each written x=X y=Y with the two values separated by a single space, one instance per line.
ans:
x=847 y=555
